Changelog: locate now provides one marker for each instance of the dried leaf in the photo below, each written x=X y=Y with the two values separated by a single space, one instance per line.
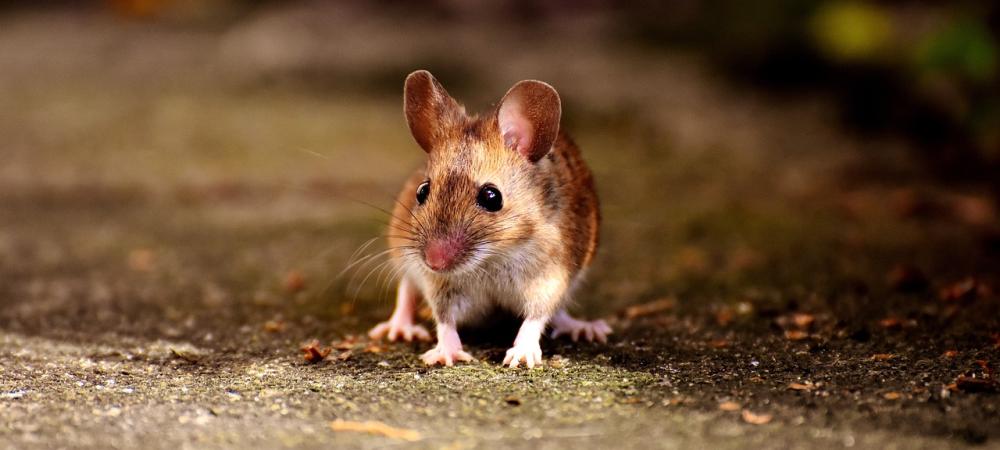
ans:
x=890 y=322
x=895 y=323
x=882 y=356
x=692 y=259
x=950 y=353
x=905 y=278
x=974 y=210
x=344 y=356
x=975 y=384
x=729 y=406
x=795 y=321
x=294 y=282
x=274 y=326
x=803 y=320
x=374 y=347
x=796 y=335
x=807 y=386
x=141 y=260
x=650 y=308
x=965 y=290
x=347 y=343
x=376 y=428
x=756 y=419
x=191 y=358
x=892 y=396
x=314 y=353
x=719 y=343
x=724 y=316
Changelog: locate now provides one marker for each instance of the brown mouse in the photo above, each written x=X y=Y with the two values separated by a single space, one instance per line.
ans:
x=503 y=214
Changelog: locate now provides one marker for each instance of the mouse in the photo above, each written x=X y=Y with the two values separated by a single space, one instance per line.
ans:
x=503 y=213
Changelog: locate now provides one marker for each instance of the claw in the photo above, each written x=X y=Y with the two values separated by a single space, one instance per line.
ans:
x=448 y=357
x=394 y=330
x=564 y=324
x=531 y=355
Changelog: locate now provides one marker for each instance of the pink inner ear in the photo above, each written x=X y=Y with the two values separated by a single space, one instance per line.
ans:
x=517 y=131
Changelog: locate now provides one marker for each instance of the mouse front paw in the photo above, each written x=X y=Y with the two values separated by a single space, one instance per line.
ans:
x=397 y=329
x=445 y=355
x=530 y=354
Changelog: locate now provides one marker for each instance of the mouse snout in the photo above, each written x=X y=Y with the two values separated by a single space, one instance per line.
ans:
x=441 y=254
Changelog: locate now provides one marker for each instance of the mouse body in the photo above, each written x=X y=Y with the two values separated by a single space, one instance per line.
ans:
x=503 y=213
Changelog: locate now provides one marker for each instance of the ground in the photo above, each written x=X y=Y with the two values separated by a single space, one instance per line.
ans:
x=178 y=201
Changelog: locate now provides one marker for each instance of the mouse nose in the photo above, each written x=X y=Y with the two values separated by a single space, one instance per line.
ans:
x=442 y=254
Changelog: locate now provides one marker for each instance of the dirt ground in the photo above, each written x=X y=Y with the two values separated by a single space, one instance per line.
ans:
x=176 y=202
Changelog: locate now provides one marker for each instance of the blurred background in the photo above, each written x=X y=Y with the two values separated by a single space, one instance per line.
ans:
x=237 y=143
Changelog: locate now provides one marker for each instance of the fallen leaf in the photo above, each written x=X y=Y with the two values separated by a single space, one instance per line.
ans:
x=724 y=316
x=807 y=386
x=692 y=259
x=985 y=365
x=894 y=323
x=975 y=384
x=314 y=353
x=347 y=343
x=719 y=343
x=743 y=258
x=274 y=326
x=141 y=260
x=374 y=347
x=965 y=290
x=650 y=308
x=906 y=202
x=344 y=356
x=803 y=320
x=376 y=428
x=892 y=396
x=729 y=406
x=796 y=335
x=882 y=356
x=890 y=322
x=795 y=321
x=974 y=210
x=950 y=353
x=756 y=419
x=294 y=282
x=906 y=278
x=193 y=359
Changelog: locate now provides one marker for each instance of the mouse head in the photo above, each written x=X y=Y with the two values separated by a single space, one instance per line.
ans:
x=485 y=175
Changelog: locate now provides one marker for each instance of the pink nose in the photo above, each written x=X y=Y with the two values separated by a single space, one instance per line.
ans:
x=441 y=254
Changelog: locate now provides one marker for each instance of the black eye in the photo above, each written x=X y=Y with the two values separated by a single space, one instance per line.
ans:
x=423 y=191
x=489 y=198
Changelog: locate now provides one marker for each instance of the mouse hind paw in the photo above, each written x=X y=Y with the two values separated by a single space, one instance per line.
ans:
x=591 y=330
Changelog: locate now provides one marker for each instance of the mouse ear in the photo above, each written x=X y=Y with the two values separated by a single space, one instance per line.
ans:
x=528 y=118
x=429 y=109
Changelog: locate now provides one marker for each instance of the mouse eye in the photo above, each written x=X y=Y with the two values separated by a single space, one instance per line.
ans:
x=489 y=198
x=423 y=191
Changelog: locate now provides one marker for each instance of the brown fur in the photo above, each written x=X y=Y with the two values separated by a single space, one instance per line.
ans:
x=549 y=222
